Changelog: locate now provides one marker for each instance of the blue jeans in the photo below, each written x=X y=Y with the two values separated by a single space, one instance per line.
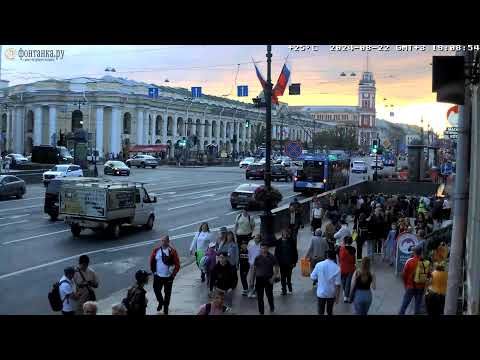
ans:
x=362 y=301
x=346 y=282
x=407 y=298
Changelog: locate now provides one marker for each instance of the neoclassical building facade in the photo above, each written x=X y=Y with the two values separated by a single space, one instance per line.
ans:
x=116 y=111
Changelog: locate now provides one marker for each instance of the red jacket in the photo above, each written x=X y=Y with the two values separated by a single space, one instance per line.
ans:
x=409 y=273
x=176 y=260
x=347 y=260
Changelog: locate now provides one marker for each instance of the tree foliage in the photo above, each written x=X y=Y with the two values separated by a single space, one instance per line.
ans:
x=259 y=135
x=338 y=138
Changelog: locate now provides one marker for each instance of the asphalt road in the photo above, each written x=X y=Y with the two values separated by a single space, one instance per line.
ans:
x=34 y=250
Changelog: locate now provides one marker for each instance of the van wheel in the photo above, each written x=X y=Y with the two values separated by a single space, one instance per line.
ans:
x=115 y=230
x=19 y=196
x=143 y=165
x=53 y=217
x=76 y=230
x=149 y=224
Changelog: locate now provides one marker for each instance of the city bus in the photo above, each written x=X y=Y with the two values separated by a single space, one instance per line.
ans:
x=321 y=173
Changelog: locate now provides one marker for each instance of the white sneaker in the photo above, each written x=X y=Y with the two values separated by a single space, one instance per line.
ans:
x=345 y=299
x=244 y=292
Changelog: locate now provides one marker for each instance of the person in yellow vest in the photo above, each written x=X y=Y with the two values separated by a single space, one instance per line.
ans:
x=435 y=297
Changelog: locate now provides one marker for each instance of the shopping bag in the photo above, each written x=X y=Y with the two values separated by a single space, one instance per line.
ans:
x=354 y=235
x=305 y=266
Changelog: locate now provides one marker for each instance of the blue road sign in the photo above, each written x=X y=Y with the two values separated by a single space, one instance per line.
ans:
x=293 y=150
x=242 y=90
x=446 y=168
x=153 y=92
x=196 y=91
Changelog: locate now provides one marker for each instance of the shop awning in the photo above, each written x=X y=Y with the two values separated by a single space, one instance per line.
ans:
x=157 y=148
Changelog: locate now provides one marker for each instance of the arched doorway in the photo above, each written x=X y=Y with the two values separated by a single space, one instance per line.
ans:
x=77 y=120
x=198 y=127
x=189 y=127
x=222 y=130
x=169 y=126
x=214 y=129
x=158 y=127
x=180 y=127
x=127 y=123
x=205 y=129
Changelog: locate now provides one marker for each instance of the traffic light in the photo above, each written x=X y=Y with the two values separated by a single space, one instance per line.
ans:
x=247 y=124
x=183 y=142
x=375 y=146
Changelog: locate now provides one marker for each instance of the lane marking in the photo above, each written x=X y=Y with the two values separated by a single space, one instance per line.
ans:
x=288 y=197
x=195 y=223
x=168 y=193
x=221 y=198
x=22 y=208
x=112 y=249
x=25 y=199
x=34 y=237
x=233 y=212
x=186 y=205
x=19 y=216
x=203 y=196
x=15 y=222
x=200 y=192
x=193 y=184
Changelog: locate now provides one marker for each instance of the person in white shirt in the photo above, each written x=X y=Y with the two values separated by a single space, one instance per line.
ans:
x=199 y=245
x=244 y=227
x=317 y=216
x=360 y=202
x=340 y=234
x=253 y=252
x=327 y=273
x=68 y=292
x=446 y=209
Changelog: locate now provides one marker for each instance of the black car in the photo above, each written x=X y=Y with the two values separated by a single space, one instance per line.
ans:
x=116 y=168
x=51 y=203
x=244 y=195
x=12 y=186
x=255 y=171
x=281 y=172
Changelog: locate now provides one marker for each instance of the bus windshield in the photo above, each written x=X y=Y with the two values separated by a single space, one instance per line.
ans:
x=313 y=170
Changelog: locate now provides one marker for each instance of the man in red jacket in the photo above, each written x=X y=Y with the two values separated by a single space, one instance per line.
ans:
x=165 y=264
x=412 y=289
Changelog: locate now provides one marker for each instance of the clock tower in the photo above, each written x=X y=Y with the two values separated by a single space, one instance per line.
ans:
x=366 y=108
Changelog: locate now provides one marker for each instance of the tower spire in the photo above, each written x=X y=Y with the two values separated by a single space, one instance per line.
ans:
x=367 y=62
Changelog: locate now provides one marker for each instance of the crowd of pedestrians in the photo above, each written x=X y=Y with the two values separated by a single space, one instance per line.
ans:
x=337 y=263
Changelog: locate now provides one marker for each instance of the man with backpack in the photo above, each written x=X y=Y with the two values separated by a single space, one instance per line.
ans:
x=244 y=227
x=136 y=300
x=165 y=264
x=68 y=292
x=415 y=275
x=86 y=280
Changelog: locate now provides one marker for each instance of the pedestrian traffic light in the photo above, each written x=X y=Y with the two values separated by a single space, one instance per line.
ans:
x=247 y=123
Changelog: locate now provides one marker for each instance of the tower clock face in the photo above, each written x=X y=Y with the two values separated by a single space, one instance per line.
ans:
x=366 y=96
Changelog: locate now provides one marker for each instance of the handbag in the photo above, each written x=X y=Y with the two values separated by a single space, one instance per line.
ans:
x=91 y=293
x=305 y=266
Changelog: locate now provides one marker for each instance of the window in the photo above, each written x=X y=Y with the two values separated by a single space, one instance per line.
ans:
x=146 y=198
x=137 y=196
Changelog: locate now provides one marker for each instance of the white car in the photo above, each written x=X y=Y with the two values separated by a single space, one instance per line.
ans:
x=359 y=167
x=16 y=159
x=60 y=171
x=245 y=162
x=284 y=160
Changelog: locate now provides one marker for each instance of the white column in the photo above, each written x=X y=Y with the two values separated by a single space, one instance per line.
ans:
x=164 y=130
x=202 y=134
x=19 y=132
x=140 y=119
x=236 y=130
x=218 y=138
x=9 y=130
x=52 y=123
x=154 y=127
x=98 y=130
x=115 y=131
x=146 y=125
x=174 y=130
x=37 y=126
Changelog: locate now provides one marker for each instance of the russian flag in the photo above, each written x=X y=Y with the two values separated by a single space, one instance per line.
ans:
x=260 y=77
x=282 y=81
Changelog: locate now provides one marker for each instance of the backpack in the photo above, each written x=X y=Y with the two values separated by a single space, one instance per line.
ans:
x=249 y=221
x=56 y=302
x=421 y=272
x=127 y=301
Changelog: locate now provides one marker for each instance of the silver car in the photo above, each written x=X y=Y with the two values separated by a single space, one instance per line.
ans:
x=11 y=186
x=142 y=161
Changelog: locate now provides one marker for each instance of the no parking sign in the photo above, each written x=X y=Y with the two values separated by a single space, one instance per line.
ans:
x=293 y=149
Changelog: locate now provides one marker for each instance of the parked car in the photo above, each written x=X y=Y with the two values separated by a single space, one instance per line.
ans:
x=244 y=195
x=114 y=167
x=142 y=161
x=59 y=171
x=377 y=164
x=359 y=167
x=17 y=159
x=255 y=171
x=283 y=160
x=281 y=172
x=12 y=186
x=51 y=202
x=245 y=162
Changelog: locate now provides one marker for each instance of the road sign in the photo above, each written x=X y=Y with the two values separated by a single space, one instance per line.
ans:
x=242 y=90
x=153 y=92
x=293 y=149
x=196 y=91
x=294 y=89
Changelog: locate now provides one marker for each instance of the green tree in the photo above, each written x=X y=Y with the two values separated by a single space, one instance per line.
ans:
x=338 y=138
x=259 y=135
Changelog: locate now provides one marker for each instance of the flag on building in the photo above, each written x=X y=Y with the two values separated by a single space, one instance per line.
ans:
x=282 y=81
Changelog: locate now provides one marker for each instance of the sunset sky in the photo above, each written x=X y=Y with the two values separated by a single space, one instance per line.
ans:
x=403 y=78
